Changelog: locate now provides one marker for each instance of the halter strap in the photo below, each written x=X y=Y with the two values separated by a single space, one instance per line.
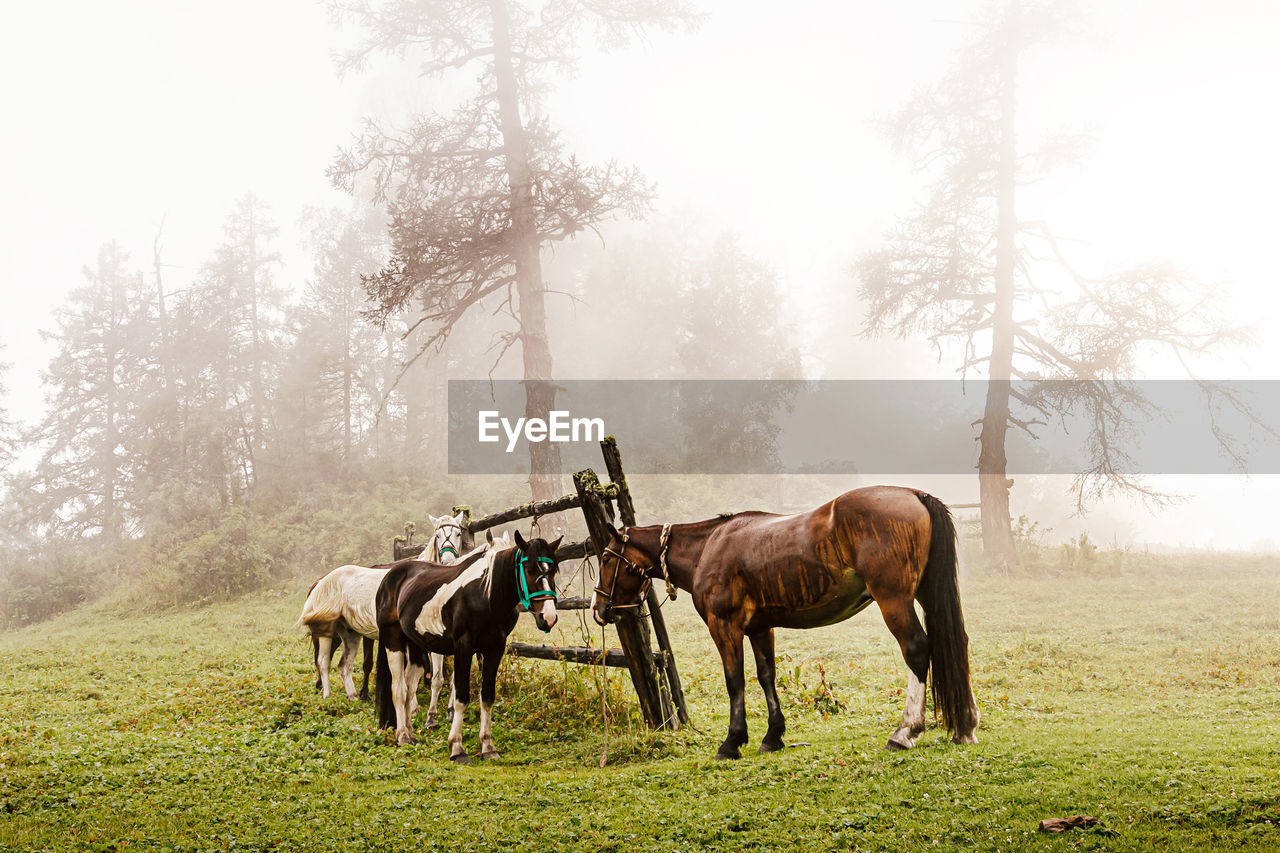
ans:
x=443 y=525
x=522 y=586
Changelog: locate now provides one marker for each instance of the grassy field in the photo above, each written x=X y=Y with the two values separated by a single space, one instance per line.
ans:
x=1144 y=691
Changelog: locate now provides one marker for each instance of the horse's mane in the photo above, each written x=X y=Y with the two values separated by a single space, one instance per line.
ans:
x=493 y=555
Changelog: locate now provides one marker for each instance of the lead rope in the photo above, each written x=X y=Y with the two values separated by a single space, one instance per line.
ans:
x=604 y=674
x=604 y=705
x=663 y=544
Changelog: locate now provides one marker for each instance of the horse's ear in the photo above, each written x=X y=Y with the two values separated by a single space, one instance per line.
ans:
x=556 y=544
x=488 y=536
x=435 y=522
x=520 y=543
x=457 y=519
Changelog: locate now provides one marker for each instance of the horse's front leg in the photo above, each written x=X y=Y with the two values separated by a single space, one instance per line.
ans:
x=437 y=683
x=368 y=668
x=728 y=639
x=462 y=694
x=488 y=693
x=413 y=677
x=762 y=648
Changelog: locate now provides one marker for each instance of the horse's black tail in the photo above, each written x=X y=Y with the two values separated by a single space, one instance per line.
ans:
x=382 y=691
x=939 y=594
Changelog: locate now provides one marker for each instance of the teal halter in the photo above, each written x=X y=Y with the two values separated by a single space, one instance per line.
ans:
x=527 y=597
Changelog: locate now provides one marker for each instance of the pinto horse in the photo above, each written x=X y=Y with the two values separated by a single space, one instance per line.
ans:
x=435 y=669
x=339 y=610
x=754 y=571
x=464 y=609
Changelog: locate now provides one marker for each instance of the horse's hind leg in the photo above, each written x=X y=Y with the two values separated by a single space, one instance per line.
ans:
x=762 y=648
x=368 y=667
x=324 y=656
x=397 y=662
x=437 y=684
x=905 y=626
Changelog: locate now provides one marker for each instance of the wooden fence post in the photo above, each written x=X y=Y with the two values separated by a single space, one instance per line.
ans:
x=627 y=509
x=468 y=538
x=633 y=633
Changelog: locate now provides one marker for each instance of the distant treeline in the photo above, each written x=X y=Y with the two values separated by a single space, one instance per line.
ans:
x=194 y=427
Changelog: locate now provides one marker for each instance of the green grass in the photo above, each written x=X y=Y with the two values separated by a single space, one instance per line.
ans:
x=1143 y=691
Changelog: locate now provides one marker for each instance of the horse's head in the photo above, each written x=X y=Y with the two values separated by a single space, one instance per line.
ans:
x=536 y=568
x=624 y=577
x=446 y=540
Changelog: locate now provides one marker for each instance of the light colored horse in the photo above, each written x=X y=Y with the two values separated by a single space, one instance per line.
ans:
x=341 y=606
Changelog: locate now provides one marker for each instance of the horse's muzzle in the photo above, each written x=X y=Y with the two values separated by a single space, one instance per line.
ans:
x=544 y=622
x=604 y=615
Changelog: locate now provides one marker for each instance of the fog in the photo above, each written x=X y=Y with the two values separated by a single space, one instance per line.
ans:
x=137 y=118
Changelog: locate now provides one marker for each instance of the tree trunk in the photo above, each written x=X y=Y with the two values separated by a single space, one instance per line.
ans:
x=116 y=315
x=540 y=393
x=348 y=331
x=997 y=533
x=162 y=318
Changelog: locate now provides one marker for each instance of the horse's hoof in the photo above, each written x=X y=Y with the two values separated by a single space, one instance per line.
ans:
x=723 y=755
x=493 y=753
x=897 y=747
x=461 y=758
x=432 y=725
x=969 y=738
x=405 y=740
x=771 y=746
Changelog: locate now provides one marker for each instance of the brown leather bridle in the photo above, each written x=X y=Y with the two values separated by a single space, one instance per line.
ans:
x=632 y=568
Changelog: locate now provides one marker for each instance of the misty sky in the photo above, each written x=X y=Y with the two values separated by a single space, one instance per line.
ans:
x=120 y=115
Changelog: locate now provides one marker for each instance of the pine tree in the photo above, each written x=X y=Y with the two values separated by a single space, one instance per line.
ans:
x=91 y=436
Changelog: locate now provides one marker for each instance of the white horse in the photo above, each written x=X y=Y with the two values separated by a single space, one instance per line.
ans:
x=341 y=605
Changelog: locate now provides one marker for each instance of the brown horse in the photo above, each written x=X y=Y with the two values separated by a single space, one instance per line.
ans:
x=754 y=571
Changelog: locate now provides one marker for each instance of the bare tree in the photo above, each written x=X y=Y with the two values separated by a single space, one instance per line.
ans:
x=474 y=196
x=964 y=269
